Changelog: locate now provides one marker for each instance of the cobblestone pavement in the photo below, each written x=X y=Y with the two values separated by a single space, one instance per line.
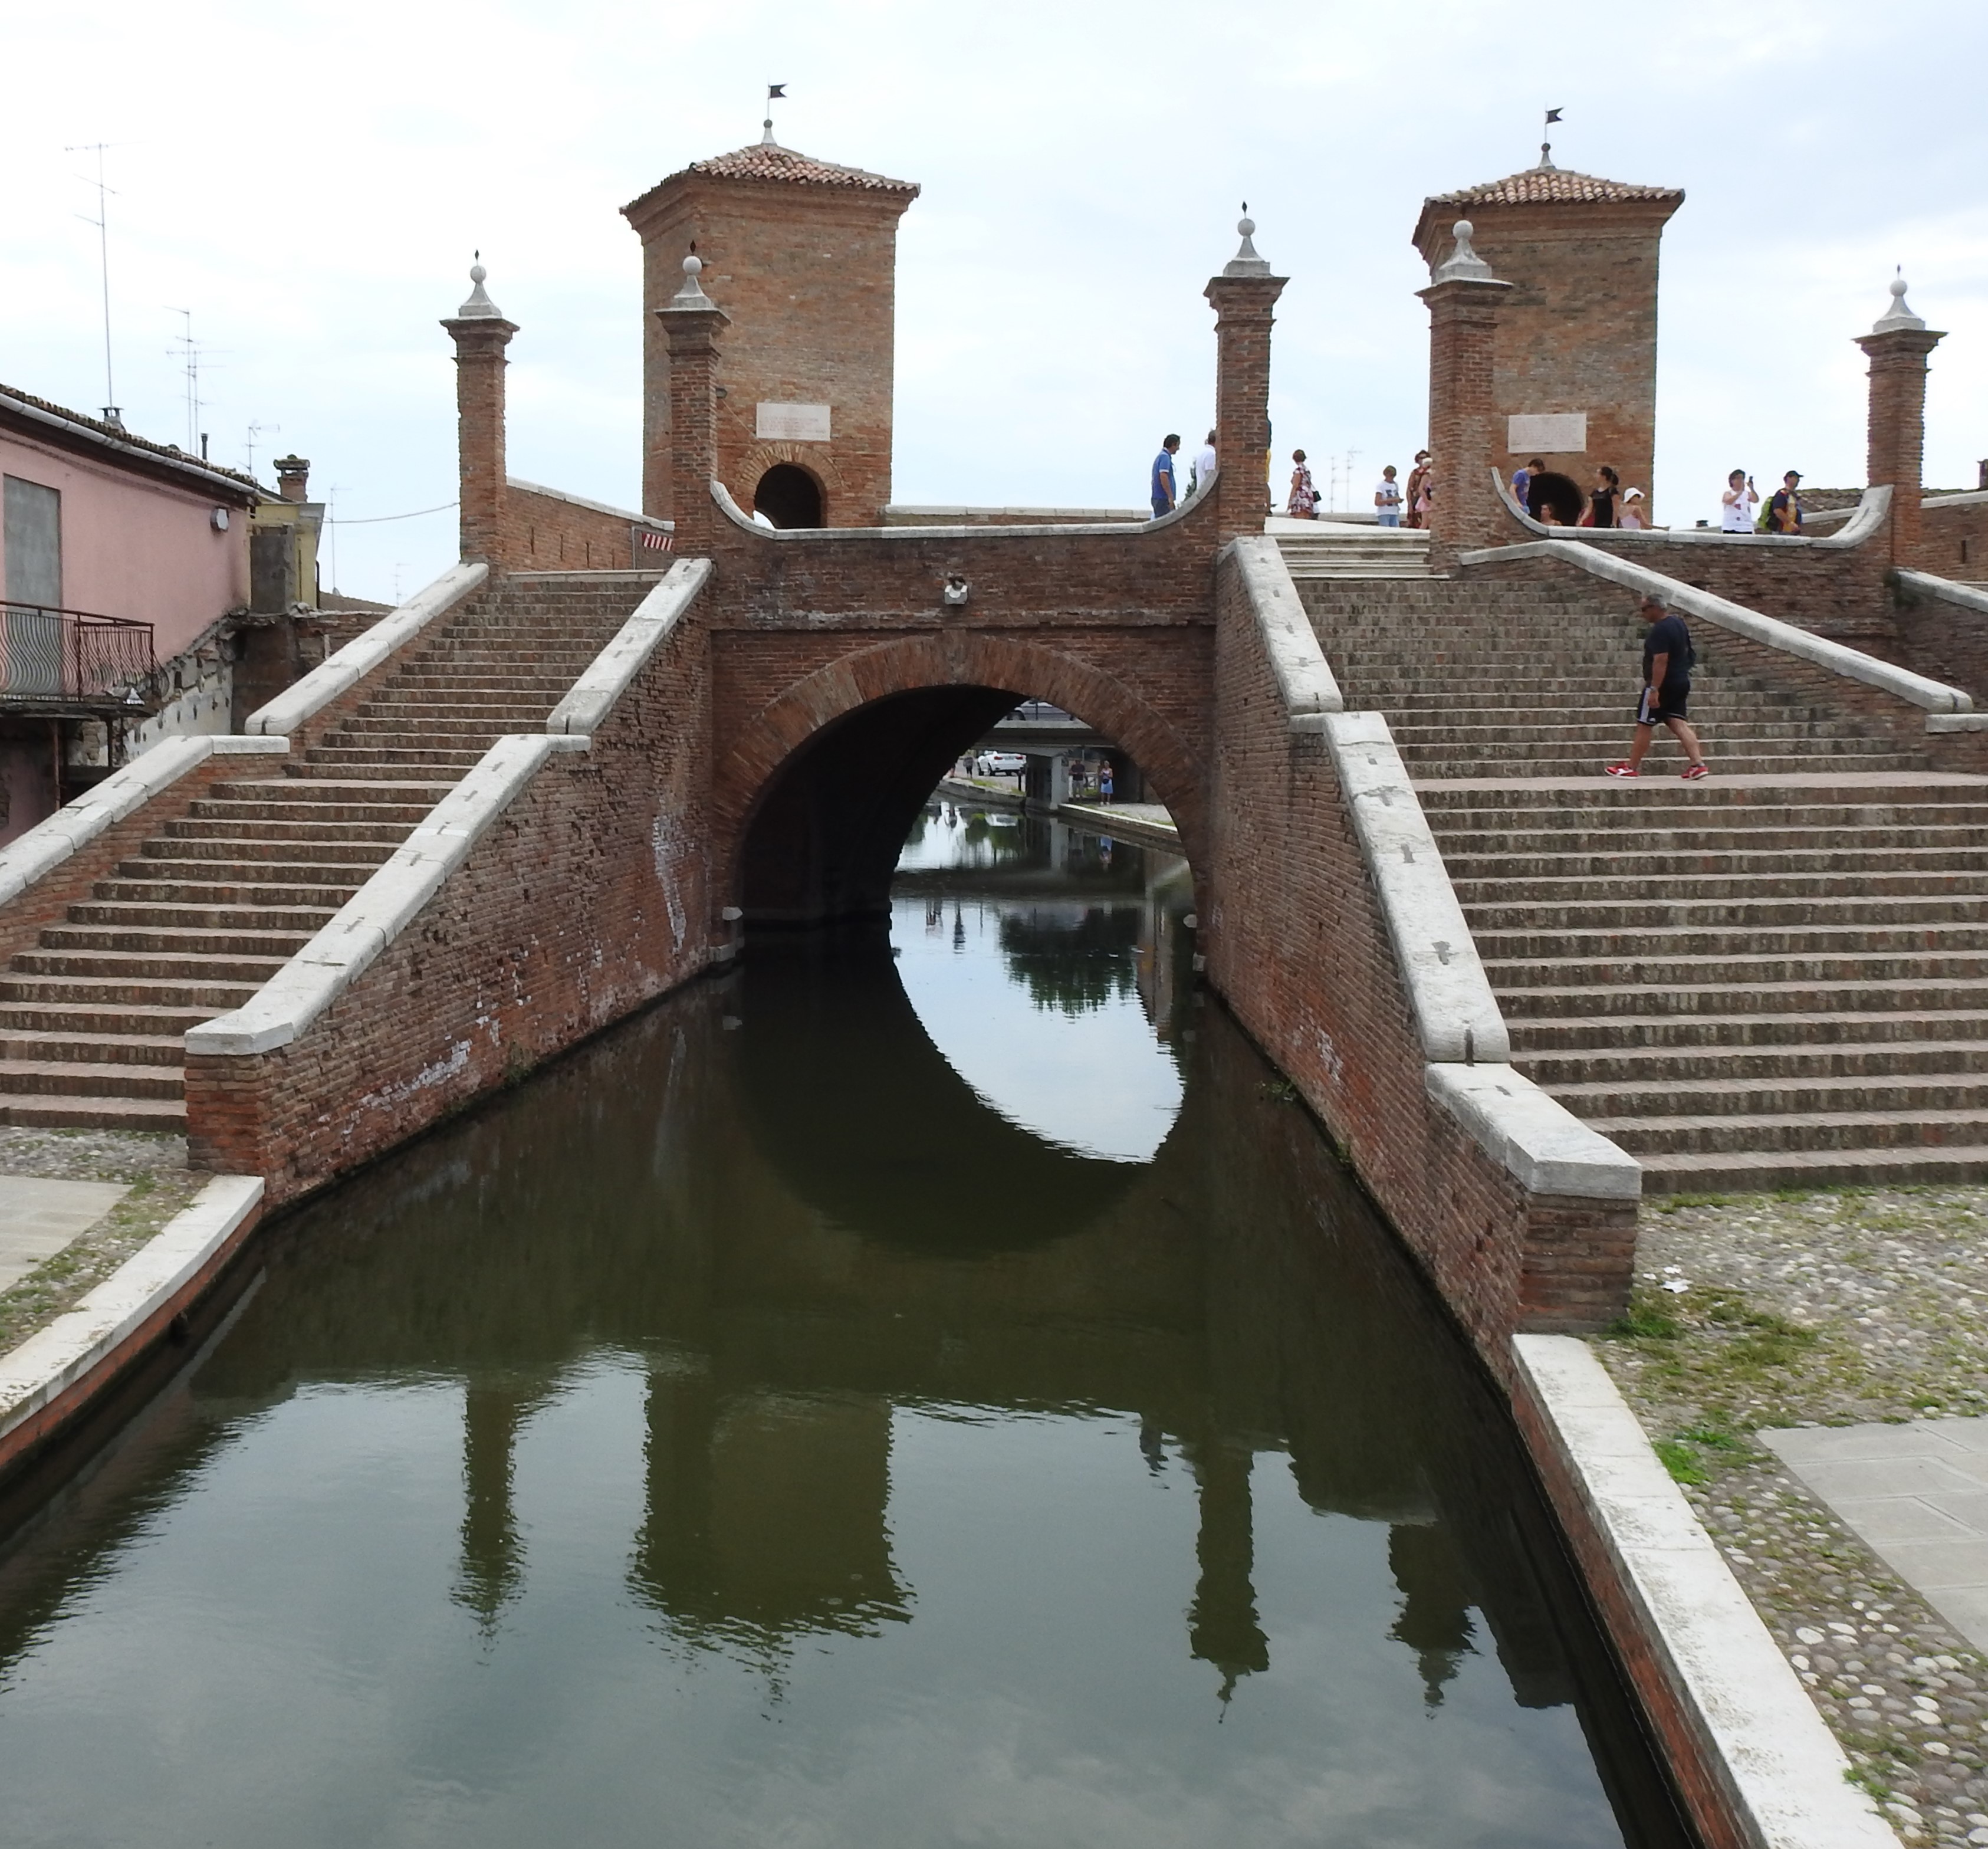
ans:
x=154 y=1165
x=1825 y=1309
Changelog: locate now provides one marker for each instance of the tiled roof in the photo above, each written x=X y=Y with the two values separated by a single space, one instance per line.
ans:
x=1552 y=186
x=764 y=161
x=116 y=434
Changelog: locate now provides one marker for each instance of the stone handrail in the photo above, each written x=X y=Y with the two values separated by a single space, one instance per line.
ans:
x=589 y=699
x=375 y=915
x=1119 y=529
x=1863 y=521
x=31 y=855
x=1304 y=678
x=1916 y=690
x=1970 y=597
x=363 y=653
x=1465 y=1043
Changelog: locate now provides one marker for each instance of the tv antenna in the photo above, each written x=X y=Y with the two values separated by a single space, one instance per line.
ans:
x=254 y=431
x=191 y=352
x=102 y=222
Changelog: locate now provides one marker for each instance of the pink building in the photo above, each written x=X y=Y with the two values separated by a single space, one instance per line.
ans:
x=114 y=552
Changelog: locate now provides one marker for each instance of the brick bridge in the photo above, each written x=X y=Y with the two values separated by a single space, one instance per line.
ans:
x=533 y=800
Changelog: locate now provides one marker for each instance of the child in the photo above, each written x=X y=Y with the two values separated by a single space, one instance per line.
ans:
x=1387 y=499
x=1631 y=519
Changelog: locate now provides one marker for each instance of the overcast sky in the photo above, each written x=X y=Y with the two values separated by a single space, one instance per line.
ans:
x=310 y=180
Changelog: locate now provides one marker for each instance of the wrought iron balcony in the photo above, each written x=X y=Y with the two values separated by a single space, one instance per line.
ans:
x=50 y=657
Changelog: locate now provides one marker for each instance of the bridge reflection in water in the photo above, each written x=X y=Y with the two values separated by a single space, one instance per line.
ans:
x=903 y=1365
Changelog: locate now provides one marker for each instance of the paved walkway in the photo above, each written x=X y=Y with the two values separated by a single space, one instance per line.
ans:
x=39 y=1217
x=1917 y=1495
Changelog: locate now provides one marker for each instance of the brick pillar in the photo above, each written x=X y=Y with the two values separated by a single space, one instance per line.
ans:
x=1897 y=346
x=480 y=334
x=1464 y=299
x=691 y=324
x=1242 y=296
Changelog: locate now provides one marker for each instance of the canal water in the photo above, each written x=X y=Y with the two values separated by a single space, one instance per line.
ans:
x=937 y=1389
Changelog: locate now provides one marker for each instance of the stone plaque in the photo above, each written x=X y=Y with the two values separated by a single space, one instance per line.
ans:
x=793 y=423
x=1536 y=433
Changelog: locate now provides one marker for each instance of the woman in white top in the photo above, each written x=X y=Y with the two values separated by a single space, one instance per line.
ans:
x=1631 y=518
x=1738 y=503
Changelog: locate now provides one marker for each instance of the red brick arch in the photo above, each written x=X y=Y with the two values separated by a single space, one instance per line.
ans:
x=1177 y=766
x=812 y=458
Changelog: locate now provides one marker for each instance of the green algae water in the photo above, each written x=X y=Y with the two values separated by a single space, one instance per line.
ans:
x=922 y=1389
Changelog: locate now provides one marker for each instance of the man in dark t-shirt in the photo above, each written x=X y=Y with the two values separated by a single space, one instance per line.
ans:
x=1666 y=692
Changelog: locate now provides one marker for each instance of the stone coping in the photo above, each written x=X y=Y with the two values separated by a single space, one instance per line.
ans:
x=1531 y=1134
x=1969 y=596
x=31 y=856
x=80 y=1342
x=1304 y=678
x=596 y=507
x=365 y=652
x=1114 y=529
x=1933 y=697
x=898 y=515
x=590 y=698
x=1785 y=1779
x=1863 y=521
x=375 y=915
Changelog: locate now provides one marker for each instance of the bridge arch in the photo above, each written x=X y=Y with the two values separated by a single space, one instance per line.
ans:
x=814 y=800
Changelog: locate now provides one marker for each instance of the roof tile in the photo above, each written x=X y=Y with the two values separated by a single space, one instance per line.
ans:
x=117 y=432
x=1552 y=186
x=764 y=160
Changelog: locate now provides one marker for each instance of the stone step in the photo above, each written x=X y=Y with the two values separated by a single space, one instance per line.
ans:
x=1793 y=1130
x=204 y=971
x=145 y=916
x=1581 y=920
x=1712 y=836
x=1745 y=1171
x=50 y=1112
x=1721 y=968
x=80 y=1021
x=1668 y=945
x=36 y=1078
x=53 y=1046
x=1557 y=1000
x=1624 y=1074
x=387 y=763
x=124 y=989
x=1710 y=889
x=1628 y=1036
x=220 y=882
x=171 y=941
x=283 y=838
x=1625 y=862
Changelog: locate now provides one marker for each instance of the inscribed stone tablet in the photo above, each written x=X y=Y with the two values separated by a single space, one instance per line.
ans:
x=1547 y=432
x=794 y=423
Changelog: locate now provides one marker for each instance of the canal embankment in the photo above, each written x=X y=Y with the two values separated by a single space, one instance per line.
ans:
x=112 y=1238
x=1857 y=1321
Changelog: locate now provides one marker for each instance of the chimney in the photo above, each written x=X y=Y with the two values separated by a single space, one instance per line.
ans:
x=293 y=478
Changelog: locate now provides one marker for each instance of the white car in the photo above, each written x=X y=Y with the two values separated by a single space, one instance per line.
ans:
x=1000 y=763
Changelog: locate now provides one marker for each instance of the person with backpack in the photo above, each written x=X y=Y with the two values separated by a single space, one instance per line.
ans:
x=1667 y=659
x=1784 y=510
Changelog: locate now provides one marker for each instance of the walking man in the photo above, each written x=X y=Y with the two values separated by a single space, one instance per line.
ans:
x=1164 y=498
x=1522 y=485
x=1667 y=659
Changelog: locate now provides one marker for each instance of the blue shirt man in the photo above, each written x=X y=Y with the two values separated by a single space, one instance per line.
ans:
x=1163 y=477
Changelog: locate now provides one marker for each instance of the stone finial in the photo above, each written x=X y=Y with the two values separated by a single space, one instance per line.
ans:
x=1463 y=264
x=1246 y=262
x=479 y=307
x=691 y=294
x=1899 y=315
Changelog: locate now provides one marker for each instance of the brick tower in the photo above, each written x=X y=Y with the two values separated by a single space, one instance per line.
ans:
x=1574 y=365
x=802 y=255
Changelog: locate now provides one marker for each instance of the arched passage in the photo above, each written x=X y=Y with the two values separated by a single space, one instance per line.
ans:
x=816 y=796
x=1562 y=493
x=788 y=495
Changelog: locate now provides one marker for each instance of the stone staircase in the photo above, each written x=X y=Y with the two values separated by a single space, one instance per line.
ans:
x=1775 y=977
x=213 y=904
x=1317 y=549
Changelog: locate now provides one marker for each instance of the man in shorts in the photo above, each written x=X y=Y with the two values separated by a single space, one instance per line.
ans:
x=1667 y=653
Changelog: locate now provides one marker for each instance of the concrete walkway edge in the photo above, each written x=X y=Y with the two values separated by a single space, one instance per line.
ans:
x=1690 y=1639
x=56 y=1371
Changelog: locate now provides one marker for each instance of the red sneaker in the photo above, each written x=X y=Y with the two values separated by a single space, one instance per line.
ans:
x=1692 y=772
x=1619 y=770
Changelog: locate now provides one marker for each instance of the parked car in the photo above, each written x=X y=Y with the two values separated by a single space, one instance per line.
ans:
x=1001 y=763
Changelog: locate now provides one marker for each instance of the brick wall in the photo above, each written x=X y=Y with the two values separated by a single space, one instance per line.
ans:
x=584 y=899
x=543 y=531
x=1295 y=943
x=1953 y=539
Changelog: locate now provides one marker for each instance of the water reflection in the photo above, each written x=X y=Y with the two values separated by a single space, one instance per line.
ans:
x=744 y=1433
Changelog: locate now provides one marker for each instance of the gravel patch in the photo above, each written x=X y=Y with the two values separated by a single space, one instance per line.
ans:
x=1834 y=1308
x=154 y=1166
